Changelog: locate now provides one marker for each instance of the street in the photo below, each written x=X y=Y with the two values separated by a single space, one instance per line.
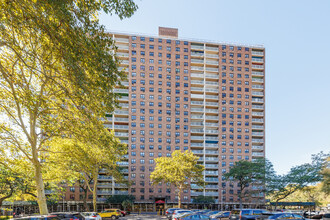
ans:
x=143 y=216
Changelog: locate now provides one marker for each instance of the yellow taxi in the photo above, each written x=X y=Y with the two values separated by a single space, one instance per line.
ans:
x=110 y=213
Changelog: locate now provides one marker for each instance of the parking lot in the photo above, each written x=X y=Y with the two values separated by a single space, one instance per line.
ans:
x=142 y=217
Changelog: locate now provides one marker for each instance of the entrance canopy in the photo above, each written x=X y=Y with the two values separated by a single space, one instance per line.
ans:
x=160 y=202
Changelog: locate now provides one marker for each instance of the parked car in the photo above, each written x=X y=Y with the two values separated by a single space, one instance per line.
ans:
x=123 y=213
x=169 y=212
x=284 y=215
x=110 y=213
x=194 y=216
x=91 y=216
x=245 y=214
x=221 y=215
x=69 y=215
x=212 y=213
x=39 y=217
x=326 y=216
x=179 y=213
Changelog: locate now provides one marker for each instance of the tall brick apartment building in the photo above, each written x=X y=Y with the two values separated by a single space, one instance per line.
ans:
x=193 y=95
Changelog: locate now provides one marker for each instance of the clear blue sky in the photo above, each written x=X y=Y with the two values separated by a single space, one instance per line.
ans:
x=296 y=35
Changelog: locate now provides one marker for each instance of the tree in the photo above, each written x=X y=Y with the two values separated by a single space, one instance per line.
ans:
x=56 y=72
x=246 y=173
x=298 y=177
x=203 y=200
x=85 y=158
x=177 y=170
x=119 y=199
x=326 y=177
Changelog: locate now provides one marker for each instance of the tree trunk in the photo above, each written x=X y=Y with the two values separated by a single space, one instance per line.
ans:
x=179 y=197
x=41 y=197
x=95 y=175
x=85 y=201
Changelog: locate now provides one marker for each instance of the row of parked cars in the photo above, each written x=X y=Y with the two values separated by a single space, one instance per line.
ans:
x=236 y=214
x=108 y=214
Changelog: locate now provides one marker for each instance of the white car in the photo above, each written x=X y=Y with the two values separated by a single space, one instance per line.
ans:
x=91 y=216
x=179 y=213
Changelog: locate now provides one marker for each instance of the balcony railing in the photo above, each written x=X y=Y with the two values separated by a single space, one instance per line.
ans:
x=254 y=73
x=257 y=53
x=197 y=47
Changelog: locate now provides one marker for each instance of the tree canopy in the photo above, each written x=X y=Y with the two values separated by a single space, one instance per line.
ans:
x=178 y=170
x=57 y=71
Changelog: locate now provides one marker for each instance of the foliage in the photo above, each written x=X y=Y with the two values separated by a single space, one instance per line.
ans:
x=56 y=71
x=119 y=199
x=203 y=200
x=127 y=204
x=178 y=170
x=326 y=177
x=298 y=178
x=246 y=173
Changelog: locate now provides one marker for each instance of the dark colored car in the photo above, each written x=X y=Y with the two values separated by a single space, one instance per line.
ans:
x=39 y=217
x=169 y=212
x=285 y=216
x=194 y=216
x=221 y=215
x=246 y=214
x=69 y=215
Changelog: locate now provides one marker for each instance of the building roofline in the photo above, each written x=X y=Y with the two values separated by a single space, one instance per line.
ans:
x=193 y=40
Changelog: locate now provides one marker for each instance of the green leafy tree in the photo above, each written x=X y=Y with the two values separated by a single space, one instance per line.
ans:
x=245 y=173
x=178 y=170
x=127 y=205
x=298 y=177
x=203 y=200
x=326 y=177
x=119 y=199
x=56 y=72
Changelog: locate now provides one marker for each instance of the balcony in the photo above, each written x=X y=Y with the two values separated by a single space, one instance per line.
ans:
x=210 y=69
x=122 y=163
x=211 y=132
x=196 y=193
x=125 y=62
x=212 y=97
x=211 y=179
x=257 y=60
x=211 y=159
x=196 y=117
x=196 y=89
x=257 y=53
x=198 y=82
x=211 y=194
x=122 y=54
x=212 y=56
x=196 y=137
x=195 y=96
x=124 y=40
x=257 y=120
x=256 y=80
x=259 y=67
x=258 y=127
x=211 y=166
x=257 y=147
x=197 y=68
x=118 y=112
x=212 y=48
x=211 y=110
x=257 y=140
x=121 y=127
x=258 y=107
x=122 y=47
x=212 y=76
x=260 y=114
x=211 y=187
x=123 y=69
x=212 y=138
x=198 y=151
x=121 y=119
x=212 y=83
x=123 y=98
x=197 y=131
x=121 y=192
x=212 y=62
x=257 y=100
x=211 y=173
x=197 y=103
x=104 y=185
x=257 y=133
x=121 y=134
x=196 y=145
x=104 y=178
x=212 y=152
x=211 y=146
x=194 y=54
x=103 y=192
x=197 y=47
x=121 y=90
x=212 y=90
x=254 y=73
x=123 y=105
x=197 y=109
x=124 y=141
x=212 y=103
x=257 y=93
x=257 y=87
x=197 y=61
x=257 y=154
x=212 y=117
x=208 y=124
x=109 y=126
x=195 y=75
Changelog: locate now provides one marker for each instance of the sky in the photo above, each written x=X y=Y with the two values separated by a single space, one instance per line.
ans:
x=296 y=35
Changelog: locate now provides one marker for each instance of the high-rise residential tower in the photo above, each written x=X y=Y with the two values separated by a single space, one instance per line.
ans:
x=207 y=97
